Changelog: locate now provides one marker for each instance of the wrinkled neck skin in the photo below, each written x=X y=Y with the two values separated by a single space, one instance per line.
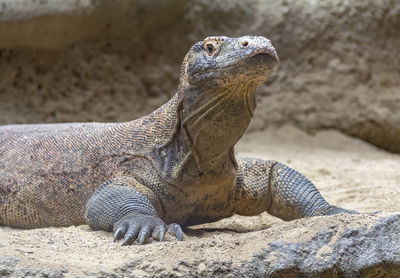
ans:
x=211 y=120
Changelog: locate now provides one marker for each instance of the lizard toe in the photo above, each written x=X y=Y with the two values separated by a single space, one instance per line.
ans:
x=130 y=235
x=176 y=230
x=120 y=231
x=139 y=226
x=159 y=233
x=144 y=235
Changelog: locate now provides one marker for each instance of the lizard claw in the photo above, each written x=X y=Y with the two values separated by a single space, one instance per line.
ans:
x=130 y=235
x=120 y=232
x=143 y=236
x=140 y=227
x=159 y=233
x=175 y=229
x=179 y=234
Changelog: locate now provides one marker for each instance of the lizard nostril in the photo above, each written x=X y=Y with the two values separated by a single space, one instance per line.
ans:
x=245 y=43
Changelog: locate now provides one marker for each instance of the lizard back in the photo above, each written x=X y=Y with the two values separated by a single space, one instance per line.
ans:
x=49 y=171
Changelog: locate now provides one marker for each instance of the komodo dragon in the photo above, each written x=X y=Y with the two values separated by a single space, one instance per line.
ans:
x=175 y=165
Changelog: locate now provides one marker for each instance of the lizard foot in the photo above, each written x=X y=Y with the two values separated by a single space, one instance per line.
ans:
x=141 y=226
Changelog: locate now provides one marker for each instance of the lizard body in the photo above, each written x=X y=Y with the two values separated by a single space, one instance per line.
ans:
x=175 y=165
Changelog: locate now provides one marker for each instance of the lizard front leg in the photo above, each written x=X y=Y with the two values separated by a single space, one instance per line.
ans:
x=281 y=191
x=130 y=210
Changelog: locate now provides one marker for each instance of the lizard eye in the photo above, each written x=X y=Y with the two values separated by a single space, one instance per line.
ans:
x=210 y=47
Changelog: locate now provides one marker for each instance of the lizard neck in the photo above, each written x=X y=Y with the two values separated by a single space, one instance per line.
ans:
x=210 y=121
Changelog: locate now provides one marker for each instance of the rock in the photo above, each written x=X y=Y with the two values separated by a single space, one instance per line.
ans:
x=7 y=265
x=9 y=268
x=354 y=252
x=334 y=251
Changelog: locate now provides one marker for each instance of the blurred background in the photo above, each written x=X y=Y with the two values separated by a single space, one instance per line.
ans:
x=104 y=60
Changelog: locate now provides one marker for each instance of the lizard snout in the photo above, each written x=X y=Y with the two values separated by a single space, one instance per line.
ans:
x=258 y=45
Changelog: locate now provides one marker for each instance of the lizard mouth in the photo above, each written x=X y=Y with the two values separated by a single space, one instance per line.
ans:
x=260 y=55
x=270 y=60
x=263 y=58
x=269 y=56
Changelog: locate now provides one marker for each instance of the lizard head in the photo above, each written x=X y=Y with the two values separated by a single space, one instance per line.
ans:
x=219 y=76
x=223 y=61
x=226 y=68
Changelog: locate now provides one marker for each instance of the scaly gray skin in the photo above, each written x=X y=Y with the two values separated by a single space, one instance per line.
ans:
x=176 y=165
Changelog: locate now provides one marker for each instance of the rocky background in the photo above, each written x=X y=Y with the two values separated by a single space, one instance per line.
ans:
x=63 y=61
x=104 y=60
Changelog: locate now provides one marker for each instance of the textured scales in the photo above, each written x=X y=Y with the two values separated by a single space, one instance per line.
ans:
x=176 y=164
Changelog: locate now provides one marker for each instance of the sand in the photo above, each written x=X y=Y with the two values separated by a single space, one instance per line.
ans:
x=349 y=173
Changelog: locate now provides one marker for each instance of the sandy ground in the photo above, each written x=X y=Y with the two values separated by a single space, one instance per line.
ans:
x=348 y=172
